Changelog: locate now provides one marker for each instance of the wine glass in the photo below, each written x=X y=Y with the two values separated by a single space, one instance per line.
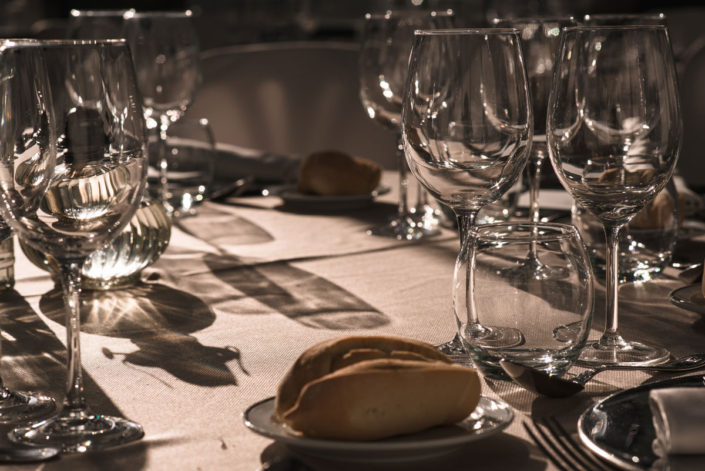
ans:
x=25 y=116
x=165 y=52
x=614 y=133
x=98 y=145
x=384 y=57
x=466 y=128
x=539 y=39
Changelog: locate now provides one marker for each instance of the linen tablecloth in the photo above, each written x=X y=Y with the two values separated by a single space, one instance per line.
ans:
x=242 y=290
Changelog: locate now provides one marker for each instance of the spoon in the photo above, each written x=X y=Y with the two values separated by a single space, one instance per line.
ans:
x=27 y=455
x=554 y=386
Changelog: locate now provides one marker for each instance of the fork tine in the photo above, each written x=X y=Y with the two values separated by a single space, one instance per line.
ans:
x=572 y=447
x=545 y=446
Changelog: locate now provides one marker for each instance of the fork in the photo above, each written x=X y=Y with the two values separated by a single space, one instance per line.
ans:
x=560 y=448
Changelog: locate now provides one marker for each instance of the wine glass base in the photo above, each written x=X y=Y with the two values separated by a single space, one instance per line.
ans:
x=403 y=229
x=456 y=351
x=18 y=407
x=78 y=435
x=624 y=353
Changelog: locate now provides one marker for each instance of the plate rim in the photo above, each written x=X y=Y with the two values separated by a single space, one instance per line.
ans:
x=602 y=452
x=675 y=299
x=380 y=446
x=289 y=193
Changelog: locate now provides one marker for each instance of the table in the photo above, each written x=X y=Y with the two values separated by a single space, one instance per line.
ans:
x=242 y=290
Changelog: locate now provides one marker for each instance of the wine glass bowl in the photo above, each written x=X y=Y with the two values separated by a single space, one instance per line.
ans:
x=466 y=124
x=80 y=186
x=165 y=52
x=614 y=134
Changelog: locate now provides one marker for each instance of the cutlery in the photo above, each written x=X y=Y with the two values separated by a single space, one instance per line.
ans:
x=560 y=448
x=555 y=386
x=236 y=188
x=27 y=455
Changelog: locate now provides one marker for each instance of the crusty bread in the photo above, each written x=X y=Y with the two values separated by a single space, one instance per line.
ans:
x=371 y=387
x=332 y=173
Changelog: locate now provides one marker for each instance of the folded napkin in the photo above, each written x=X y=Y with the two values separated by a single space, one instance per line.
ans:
x=266 y=167
x=679 y=420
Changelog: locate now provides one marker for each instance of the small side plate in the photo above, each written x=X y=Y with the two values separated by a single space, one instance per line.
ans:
x=489 y=417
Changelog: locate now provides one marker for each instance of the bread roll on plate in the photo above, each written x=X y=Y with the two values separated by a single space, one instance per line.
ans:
x=332 y=173
x=367 y=388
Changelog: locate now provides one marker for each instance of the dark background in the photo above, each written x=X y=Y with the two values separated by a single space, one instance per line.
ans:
x=224 y=22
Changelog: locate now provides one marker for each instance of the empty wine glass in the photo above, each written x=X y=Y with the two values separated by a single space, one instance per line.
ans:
x=384 y=59
x=93 y=168
x=614 y=133
x=165 y=51
x=539 y=38
x=25 y=134
x=467 y=126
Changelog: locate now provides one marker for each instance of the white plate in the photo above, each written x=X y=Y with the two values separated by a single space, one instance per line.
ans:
x=619 y=428
x=690 y=298
x=295 y=200
x=490 y=417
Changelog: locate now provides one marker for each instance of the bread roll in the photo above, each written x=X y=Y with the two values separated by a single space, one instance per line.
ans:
x=333 y=173
x=366 y=388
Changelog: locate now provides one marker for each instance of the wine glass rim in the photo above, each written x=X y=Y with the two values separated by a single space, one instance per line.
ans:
x=77 y=12
x=659 y=15
x=39 y=43
x=447 y=13
x=158 y=14
x=614 y=27
x=518 y=231
x=534 y=19
x=466 y=31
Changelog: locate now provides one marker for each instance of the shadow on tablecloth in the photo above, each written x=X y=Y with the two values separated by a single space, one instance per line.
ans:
x=158 y=320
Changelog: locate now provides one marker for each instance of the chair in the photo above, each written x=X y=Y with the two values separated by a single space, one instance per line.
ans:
x=291 y=98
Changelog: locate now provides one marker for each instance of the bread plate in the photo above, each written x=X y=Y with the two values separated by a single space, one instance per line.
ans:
x=297 y=201
x=490 y=417
x=690 y=298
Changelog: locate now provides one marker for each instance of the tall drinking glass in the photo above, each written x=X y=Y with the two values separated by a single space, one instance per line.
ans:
x=25 y=137
x=614 y=133
x=92 y=164
x=467 y=126
x=384 y=59
x=165 y=51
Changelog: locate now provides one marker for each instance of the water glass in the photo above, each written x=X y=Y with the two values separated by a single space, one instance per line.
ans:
x=506 y=313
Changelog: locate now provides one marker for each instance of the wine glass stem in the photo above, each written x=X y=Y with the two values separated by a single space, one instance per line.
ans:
x=71 y=284
x=466 y=220
x=611 y=335
x=402 y=208
x=533 y=169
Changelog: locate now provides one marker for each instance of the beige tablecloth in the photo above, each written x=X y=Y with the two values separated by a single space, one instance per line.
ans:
x=244 y=288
